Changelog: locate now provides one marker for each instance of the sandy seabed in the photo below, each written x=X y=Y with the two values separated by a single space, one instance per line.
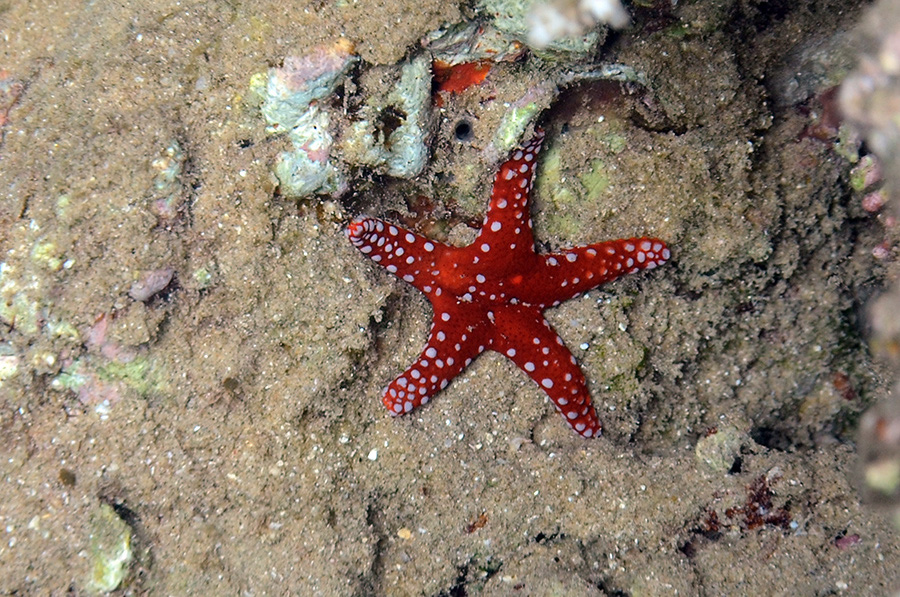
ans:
x=233 y=421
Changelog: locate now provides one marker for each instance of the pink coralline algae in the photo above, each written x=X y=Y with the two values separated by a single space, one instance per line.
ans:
x=491 y=295
x=847 y=541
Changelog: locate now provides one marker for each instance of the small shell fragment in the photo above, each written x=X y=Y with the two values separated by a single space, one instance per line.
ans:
x=151 y=283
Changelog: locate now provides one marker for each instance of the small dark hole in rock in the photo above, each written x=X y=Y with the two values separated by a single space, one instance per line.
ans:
x=463 y=131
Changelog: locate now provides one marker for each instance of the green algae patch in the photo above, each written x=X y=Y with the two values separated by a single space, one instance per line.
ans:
x=513 y=125
x=596 y=180
x=58 y=328
x=102 y=385
x=45 y=254
x=17 y=309
x=563 y=221
x=560 y=215
x=138 y=374
x=615 y=142
x=72 y=378
x=202 y=278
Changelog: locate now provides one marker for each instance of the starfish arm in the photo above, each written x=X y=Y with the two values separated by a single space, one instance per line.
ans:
x=525 y=337
x=455 y=340
x=567 y=274
x=409 y=256
x=506 y=229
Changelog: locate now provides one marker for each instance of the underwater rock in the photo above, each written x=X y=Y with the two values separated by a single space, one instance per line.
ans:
x=412 y=96
x=167 y=189
x=307 y=169
x=720 y=448
x=554 y=22
x=290 y=104
x=24 y=304
x=870 y=94
x=17 y=310
x=302 y=80
x=471 y=42
x=9 y=362
x=111 y=553
x=517 y=18
x=463 y=54
x=517 y=118
x=400 y=152
x=151 y=283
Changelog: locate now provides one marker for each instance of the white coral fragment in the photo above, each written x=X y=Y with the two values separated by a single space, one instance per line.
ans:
x=307 y=169
x=291 y=104
x=302 y=80
x=560 y=19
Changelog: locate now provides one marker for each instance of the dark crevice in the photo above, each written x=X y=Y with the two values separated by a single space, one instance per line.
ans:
x=372 y=582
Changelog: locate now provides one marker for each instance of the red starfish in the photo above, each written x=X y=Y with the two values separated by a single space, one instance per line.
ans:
x=492 y=294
